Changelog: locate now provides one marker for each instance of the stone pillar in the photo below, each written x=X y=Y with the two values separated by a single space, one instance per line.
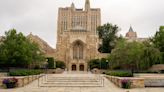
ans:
x=85 y=67
x=70 y=67
x=77 y=67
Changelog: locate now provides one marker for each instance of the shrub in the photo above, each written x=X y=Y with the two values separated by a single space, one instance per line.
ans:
x=60 y=64
x=120 y=73
x=99 y=63
x=50 y=63
x=24 y=72
x=125 y=83
x=94 y=63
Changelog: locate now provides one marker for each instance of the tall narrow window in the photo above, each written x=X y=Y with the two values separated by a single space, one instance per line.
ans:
x=78 y=50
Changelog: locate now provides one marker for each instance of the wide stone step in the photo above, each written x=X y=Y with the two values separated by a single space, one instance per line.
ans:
x=73 y=85
x=70 y=81
x=72 y=77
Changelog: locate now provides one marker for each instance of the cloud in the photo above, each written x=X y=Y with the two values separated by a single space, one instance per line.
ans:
x=40 y=16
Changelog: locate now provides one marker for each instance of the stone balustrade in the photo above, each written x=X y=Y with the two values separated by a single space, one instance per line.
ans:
x=135 y=82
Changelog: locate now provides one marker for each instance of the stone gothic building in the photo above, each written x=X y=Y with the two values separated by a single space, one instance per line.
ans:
x=131 y=36
x=77 y=39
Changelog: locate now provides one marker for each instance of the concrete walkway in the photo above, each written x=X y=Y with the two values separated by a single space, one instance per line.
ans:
x=108 y=87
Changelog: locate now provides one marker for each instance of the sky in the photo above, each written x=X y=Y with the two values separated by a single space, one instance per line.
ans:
x=40 y=16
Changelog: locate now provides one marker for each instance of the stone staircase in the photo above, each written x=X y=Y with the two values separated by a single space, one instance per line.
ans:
x=71 y=80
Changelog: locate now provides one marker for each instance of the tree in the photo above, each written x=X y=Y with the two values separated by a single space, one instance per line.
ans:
x=158 y=40
x=107 y=33
x=149 y=57
x=17 y=51
x=134 y=55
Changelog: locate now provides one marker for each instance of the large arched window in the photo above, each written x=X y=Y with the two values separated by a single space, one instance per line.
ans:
x=78 y=50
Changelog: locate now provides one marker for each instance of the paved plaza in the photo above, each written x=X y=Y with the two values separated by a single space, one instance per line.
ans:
x=108 y=86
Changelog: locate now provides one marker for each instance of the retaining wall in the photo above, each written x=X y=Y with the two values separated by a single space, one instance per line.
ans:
x=22 y=80
x=135 y=82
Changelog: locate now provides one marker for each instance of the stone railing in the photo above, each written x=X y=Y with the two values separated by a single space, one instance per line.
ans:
x=22 y=80
x=135 y=82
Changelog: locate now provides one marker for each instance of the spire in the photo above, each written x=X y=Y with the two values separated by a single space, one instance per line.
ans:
x=87 y=5
x=131 y=29
x=72 y=5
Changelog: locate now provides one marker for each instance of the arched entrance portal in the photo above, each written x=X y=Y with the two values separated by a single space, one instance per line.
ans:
x=81 y=67
x=73 y=67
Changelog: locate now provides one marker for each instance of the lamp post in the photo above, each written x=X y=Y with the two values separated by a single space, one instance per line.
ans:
x=99 y=59
x=54 y=64
x=46 y=65
x=132 y=69
x=100 y=63
x=107 y=64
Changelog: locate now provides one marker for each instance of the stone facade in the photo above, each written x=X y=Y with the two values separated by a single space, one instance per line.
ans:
x=45 y=48
x=77 y=39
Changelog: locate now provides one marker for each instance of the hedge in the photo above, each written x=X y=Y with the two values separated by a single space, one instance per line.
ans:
x=60 y=64
x=50 y=63
x=120 y=73
x=25 y=72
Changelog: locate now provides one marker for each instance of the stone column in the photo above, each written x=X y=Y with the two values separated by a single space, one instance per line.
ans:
x=70 y=67
x=77 y=67
x=85 y=67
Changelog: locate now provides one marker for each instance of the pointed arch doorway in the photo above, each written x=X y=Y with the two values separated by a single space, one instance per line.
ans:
x=81 y=67
x=74 y=67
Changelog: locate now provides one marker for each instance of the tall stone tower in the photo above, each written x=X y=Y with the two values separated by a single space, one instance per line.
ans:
x=77 y=38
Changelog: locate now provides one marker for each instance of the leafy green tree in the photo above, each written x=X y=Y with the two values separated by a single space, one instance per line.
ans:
x=149 y=57
x=134 y=55
x=158 y=40
x=107 y=33
x=126 y=55
x=17 y=51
